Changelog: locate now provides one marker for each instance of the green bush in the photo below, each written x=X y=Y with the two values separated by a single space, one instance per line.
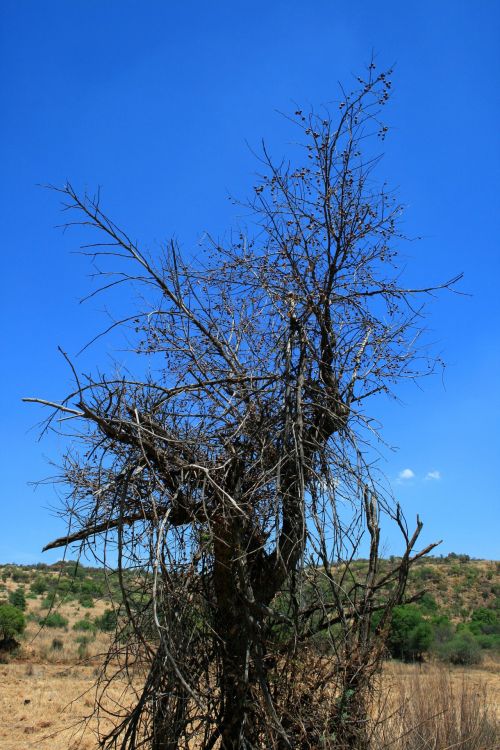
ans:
x=491 y=642
x=428 y=604
x=83 y=650
x=420 y=640
x=442 y=630
x=485 y=621
x=12 y=622
x=424 y=573
x=75 y=570
x=54 y=620
x=39 y=585
x=65 y=587
x=20 y=576
x=86 y=601
x=462 y=649
x=18 y=599
x=86 y=625
x=107 y=621
x=91 y=587
x=83 y=639
x=409 y=635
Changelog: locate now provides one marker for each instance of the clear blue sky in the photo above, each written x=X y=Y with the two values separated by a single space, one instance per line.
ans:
x=155 y=102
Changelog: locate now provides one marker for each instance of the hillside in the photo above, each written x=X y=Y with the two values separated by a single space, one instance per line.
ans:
x=69 y=609
x=457 y=584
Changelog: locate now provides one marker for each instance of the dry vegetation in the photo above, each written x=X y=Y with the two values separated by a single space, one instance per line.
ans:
x=48 y=686
x=44 y=705
x=47 y=697
x=47 y=705
x=430 y=706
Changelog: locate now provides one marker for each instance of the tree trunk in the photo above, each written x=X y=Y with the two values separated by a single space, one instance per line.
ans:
x=169 y=724
x=234 y=633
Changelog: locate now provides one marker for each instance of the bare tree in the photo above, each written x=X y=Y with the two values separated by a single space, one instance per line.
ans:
x=232 y=480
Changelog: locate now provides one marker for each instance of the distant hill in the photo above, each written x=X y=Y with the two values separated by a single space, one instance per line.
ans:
x=456 y=584
x=76 y=605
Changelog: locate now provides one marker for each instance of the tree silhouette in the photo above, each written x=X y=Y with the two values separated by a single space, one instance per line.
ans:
x=234 y=479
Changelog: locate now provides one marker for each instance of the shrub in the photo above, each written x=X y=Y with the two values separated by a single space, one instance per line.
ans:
x=65 y=588
x=409 y=635
x=424 y=573
x=91 y=587
x=54 y=620
x=75 y=570
x=87 y=625
x=462 y=649
x=86 y=601
x=83 y=639
x=57 y=644
x=420 y=640
x=491 y=641
x=39 y=585
x=18 y=599
x=49 y=600
x=12 y=622
x=20 y=576
x=107 y=621
x=442 y=629
x=83 y=649
x=428 y=604
x=485 y=621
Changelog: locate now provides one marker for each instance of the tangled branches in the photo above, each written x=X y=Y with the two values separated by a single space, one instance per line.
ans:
x=231 y=482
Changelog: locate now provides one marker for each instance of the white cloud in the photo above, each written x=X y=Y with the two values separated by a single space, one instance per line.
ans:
x=436 y=475
x=406 y=474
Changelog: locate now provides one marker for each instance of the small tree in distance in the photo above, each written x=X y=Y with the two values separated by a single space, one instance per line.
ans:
x=12 y=624
x=235 y=477
x=18 y=598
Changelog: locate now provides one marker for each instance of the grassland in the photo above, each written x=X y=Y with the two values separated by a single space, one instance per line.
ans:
x=48 y=692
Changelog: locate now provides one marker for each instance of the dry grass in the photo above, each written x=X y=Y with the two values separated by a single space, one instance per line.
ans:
x=50 y=707
x=430 y=708
x=434 y=708
x=48 y=694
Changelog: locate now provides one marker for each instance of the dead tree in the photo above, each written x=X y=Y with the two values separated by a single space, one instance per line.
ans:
x=231 y=480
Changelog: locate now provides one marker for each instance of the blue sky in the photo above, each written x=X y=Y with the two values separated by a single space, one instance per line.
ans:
x=156 y=102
